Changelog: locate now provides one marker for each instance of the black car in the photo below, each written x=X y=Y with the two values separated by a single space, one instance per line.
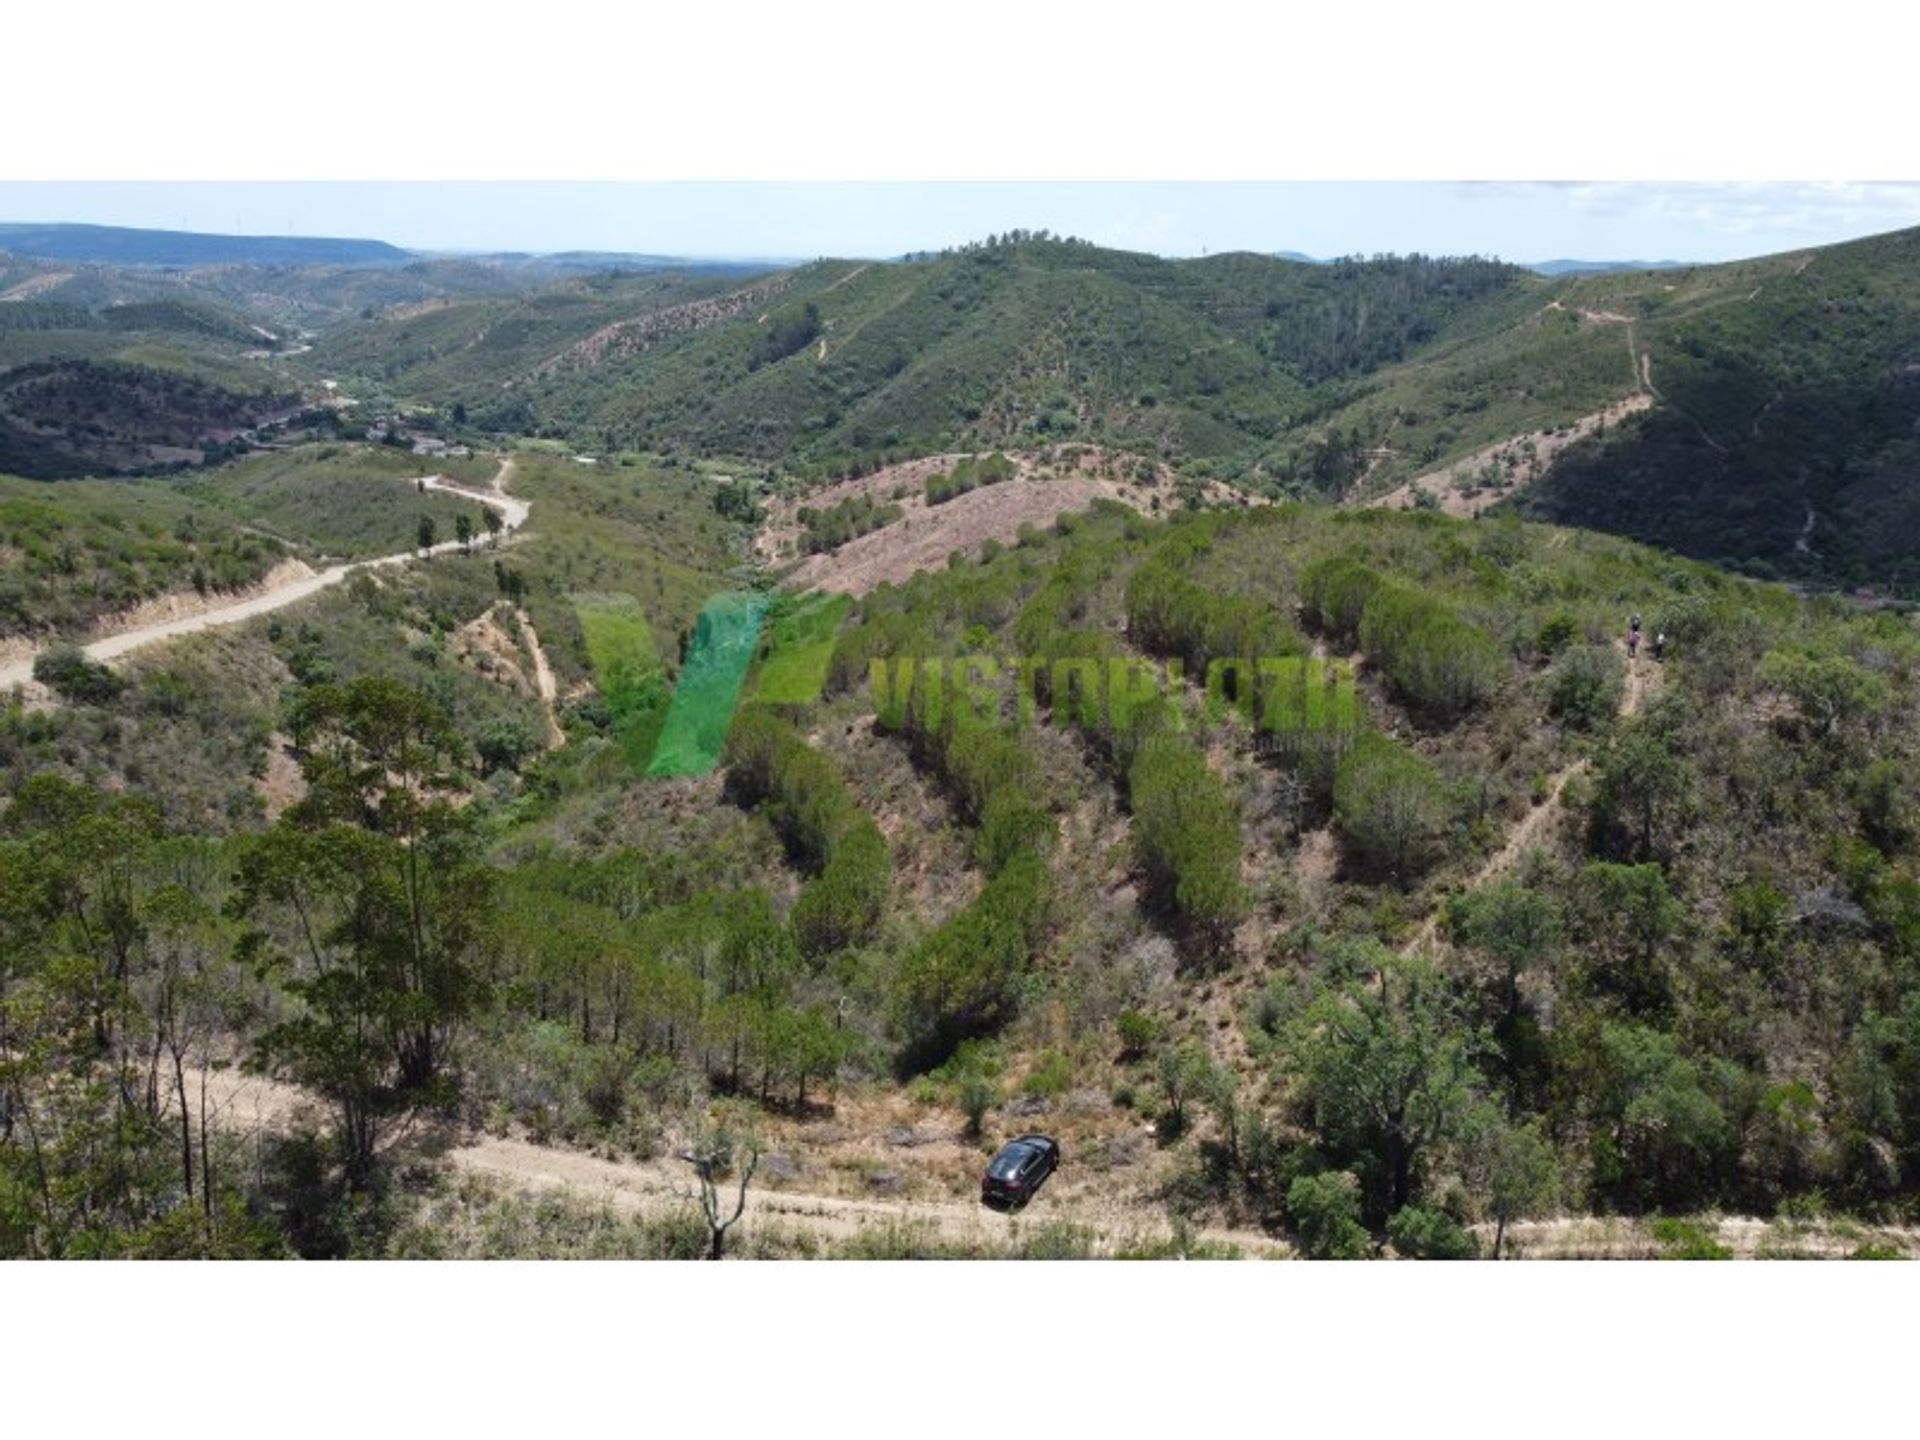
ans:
x=1019 y=1169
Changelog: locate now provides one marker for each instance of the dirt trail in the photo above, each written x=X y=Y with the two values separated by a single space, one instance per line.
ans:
x=1642 y=679
x=250 y=1105
x=543 y=680
x=293 y=588
x=247 y=1105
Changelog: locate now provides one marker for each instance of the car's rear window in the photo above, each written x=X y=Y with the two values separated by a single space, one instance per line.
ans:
x=1008 y=1162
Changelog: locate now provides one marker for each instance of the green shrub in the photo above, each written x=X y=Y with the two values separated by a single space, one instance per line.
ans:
x=1185 y=829
x=1051 y=1076
x=74 y=675
x=964 y=979
x=969 y=473
x=1325 y=1211
x=1422 y=1234
x=1335 y=592
x=1687 y=1240
x=1137 y=1032
x=1436 y=660
x=1390 y=807
x=1584 y=686
x=1555 y=634
x=770 y=763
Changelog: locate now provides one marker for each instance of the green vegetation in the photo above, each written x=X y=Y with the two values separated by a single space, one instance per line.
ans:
x=349 y=502
x=80 y=551
x=1345 y=847
x=831 y=528
x=627 y=670
x=68 y=417
x=969 y=473
x=1784 y=443
x=768 y=761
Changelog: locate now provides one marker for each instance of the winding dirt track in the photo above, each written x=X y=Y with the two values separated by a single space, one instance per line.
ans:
x=1643 y=678
x=513 y=514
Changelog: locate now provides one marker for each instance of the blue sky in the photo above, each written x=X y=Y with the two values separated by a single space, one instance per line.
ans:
x=1527 y=222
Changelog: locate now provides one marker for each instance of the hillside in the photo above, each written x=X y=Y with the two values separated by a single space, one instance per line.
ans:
x=1025 y=341
x=1138 y=709
x=1777 y=440
x=1633 y=981
x=1785 y=438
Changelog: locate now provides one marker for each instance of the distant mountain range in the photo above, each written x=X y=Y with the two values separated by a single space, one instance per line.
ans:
x=117 y=245
x=1539 y=267
x=1601 y=267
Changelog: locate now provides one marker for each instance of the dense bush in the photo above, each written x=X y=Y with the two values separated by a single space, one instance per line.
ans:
x=833 y=527
x=970 y=473
x=1423 y=1234
x=1185 y=829
x=1437 y=661
x=1390 y=808
x=1583 y=687
x=1325 y=1210
x=769 y=763
x=74 y=675
x=964 y=979
x=1169 y=614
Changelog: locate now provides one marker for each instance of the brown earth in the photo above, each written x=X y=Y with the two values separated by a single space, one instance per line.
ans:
x=1499 y=472
x=863 y=1161
x=1048 y=484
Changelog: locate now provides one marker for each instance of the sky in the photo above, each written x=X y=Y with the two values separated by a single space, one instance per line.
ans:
x=1527 y=222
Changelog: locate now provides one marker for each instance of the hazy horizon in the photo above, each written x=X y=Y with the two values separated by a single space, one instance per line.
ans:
x=1525 y=222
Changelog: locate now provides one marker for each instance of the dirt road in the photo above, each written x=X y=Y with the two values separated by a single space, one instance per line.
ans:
x=251 y=1105
x=291 y=589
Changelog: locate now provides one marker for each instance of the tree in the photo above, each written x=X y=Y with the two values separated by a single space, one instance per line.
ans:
x=1519 y=1172
x=1514 y=926
x=1187 y=1074
x=423 y=536
x=1626 y=915
x=1385 y=1072
x=978 y=1093
x=1389 y=806
x=1643 y=788
x=369 y=899
x=463 y=530
x=716 y=1155
x=1831 y=692
x=494 y=522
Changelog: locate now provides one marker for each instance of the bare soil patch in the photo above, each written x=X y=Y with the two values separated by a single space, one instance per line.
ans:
x=1047 y=484
x=1501 y=471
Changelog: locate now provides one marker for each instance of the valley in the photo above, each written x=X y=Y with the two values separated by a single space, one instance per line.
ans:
x=1182 y=708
